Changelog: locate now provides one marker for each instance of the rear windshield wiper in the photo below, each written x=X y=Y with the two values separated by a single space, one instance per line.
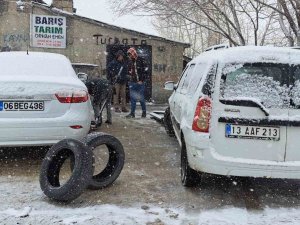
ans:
x=251 y=102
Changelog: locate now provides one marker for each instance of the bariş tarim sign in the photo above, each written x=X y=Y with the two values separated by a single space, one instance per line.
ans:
x=48 y=31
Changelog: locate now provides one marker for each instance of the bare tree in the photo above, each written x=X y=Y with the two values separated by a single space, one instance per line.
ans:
x=206 y=22
x=288 y=16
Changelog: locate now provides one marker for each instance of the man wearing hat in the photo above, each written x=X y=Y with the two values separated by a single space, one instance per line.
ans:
x=117 y=75
x=137 y=71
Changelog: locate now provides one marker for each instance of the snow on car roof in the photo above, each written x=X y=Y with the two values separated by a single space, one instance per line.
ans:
x=252 y=54
x=36 y=66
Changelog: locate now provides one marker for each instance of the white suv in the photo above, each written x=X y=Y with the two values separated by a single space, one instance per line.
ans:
x=237 y=112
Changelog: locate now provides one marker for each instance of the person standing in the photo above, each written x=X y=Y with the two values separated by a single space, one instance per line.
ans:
x=137 y=71
x=117 y=75
x=101 y=92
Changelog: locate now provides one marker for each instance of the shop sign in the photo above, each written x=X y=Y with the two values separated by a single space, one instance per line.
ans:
x=48 y=31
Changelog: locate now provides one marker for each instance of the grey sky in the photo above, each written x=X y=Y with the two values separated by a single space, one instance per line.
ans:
x=100 y=10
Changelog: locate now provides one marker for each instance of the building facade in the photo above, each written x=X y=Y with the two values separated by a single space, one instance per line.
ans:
x=26 y=25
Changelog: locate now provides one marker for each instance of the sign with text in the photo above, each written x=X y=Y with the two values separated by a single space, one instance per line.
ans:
x=48 y=31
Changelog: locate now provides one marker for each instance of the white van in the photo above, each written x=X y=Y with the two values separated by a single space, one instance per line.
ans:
x=237 y=112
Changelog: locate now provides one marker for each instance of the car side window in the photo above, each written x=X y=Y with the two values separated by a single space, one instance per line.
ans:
x=198 y=73
x=209 y=83
x=181 y=81
x=187 y=79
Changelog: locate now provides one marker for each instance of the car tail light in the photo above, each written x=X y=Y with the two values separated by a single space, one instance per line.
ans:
x=202 y=115
x=72 y=96
x=76 y=127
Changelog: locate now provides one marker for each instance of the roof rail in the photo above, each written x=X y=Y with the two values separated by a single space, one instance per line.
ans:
x=217 y=47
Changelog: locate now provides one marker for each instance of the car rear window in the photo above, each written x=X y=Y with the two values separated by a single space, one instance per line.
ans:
x=274 y=85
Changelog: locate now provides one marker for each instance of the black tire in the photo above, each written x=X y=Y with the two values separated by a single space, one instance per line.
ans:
x=168 y=123
x=189 y=177
x=115 y=162
x=81 y=175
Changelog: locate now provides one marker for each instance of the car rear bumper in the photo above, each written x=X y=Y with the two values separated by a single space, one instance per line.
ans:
x=206 y=159
x=41 y=131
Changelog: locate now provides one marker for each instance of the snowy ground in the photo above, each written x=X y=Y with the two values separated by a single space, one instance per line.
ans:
x=44 y=213
x=148 y=190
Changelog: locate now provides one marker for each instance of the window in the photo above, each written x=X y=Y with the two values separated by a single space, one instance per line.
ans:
x=207 y=88
x=295 y=90
x=181 y=81
x=187 y=78
x=265 y=82
x=198 y=73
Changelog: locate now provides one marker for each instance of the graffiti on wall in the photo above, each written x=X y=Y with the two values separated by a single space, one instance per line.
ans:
x=160 y=68
x=14 y=41
x=108 y=40
x=15 y=38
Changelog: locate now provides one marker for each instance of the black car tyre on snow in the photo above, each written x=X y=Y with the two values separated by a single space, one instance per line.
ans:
x=189 y=177
x=168 y=123
x=82 y=172
x=115 y=162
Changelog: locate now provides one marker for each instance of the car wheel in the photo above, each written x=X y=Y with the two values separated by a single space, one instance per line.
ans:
x=115 y=162
x=81 y=174
x=189 y=177
x=168 y=123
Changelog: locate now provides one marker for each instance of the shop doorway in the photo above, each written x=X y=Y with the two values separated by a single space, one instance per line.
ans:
x=145 y=52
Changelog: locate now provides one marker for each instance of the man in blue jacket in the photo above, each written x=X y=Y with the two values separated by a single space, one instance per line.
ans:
x=117 y=75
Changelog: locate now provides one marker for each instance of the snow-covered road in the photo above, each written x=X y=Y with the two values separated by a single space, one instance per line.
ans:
x=147 y=192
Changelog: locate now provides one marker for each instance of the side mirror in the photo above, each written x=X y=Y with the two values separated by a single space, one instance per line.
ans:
x=170 y=86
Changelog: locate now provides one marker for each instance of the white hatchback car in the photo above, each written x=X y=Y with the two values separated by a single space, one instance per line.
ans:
x=237 y=112
x=42 y=101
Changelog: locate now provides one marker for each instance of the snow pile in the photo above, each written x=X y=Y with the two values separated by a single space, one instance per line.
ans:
x=111 y=214
x=36 y=73
x=237 y=216
x=252 y=54
x=35 y=64
x=104 y=214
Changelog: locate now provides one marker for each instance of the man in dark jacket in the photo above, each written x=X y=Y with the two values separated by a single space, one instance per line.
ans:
x=137 y=70
x=117 y=75
x=101 y=92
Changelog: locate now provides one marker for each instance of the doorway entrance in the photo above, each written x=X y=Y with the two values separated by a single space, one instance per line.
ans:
x=143 y=51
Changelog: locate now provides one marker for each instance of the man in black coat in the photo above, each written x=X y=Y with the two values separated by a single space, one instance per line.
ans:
x=101 y=92
x=117 y=75
x=137 y=70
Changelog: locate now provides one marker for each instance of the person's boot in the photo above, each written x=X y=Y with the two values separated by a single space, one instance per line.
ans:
x=130 y=115
x=108 y=122
x=125 y=110
x=117 y=110
x=144 y=114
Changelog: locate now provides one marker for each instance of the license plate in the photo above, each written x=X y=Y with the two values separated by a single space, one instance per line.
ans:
x=252 y=132
x=21 y=106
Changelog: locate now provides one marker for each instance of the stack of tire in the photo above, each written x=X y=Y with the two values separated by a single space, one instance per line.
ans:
x=82 y=166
